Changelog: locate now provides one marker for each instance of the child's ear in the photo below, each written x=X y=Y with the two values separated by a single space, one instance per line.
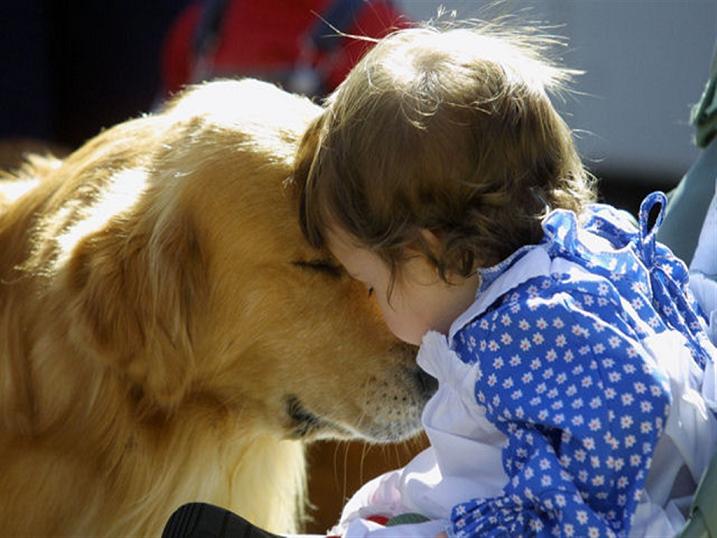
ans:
x=431 y=239
x=459 y=265
x=428 y=244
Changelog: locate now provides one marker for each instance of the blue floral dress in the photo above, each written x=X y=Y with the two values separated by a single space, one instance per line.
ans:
x=575 y=397
x=567 y=366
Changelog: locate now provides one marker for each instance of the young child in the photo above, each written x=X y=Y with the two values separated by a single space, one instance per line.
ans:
x=576 y=382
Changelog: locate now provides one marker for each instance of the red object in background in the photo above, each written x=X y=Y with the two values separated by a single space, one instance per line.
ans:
x=274 y=40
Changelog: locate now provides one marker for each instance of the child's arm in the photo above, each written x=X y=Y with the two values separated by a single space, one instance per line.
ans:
x=376 y=510
x=582 y=411
x=380 y=497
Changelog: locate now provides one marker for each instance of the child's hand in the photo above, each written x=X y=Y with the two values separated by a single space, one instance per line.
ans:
x=442 y=534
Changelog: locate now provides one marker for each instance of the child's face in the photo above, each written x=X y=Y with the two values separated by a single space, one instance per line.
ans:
x=420 y=300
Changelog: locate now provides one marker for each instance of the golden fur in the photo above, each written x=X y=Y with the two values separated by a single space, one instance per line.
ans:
x=166 y=334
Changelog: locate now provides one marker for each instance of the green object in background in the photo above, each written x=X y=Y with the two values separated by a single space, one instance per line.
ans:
x=702 y=522
x=689 y=201
x=704 y=114
x=688 y=205
x=405 y=519
x=680 y=232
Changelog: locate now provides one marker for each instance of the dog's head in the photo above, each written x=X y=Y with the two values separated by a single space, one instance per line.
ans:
x=177 y=244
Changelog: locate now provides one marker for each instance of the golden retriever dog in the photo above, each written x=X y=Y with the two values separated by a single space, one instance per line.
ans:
x=167 y=336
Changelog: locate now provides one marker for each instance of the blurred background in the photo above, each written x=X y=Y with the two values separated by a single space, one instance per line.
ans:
x=71 y=68
x=68 y=69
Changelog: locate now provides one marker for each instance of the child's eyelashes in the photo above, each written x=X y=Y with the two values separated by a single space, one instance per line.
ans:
x=326 y=267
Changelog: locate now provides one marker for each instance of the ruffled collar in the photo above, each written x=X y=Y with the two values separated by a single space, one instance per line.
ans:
x=562 y=233
x=526 y=263
x=436 y=350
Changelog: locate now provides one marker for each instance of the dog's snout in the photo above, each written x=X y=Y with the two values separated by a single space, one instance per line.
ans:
x=404 y=350
x=427 y=383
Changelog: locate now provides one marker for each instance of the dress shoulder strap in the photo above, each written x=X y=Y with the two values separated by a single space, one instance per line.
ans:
x=669 y=279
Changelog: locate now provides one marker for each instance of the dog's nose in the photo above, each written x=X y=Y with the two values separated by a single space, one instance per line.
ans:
x=427 y=383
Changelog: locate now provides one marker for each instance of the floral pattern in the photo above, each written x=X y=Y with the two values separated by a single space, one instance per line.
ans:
x=561 y=370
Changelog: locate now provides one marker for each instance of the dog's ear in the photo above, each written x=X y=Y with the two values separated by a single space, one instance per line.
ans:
x=136 y=287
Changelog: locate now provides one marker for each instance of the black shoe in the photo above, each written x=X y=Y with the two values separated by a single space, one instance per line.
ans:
x=201 y=520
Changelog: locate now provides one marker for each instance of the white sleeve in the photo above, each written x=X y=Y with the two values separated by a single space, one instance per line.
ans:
x=380 y=496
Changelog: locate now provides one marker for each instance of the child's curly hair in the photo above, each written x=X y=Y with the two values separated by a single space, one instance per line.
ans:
x=446 y=130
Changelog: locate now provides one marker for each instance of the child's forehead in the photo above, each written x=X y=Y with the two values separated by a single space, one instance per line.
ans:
x=347 y=250
x=342 y=243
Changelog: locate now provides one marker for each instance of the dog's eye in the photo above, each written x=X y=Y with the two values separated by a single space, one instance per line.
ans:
x=370 y=292
x=321 y=266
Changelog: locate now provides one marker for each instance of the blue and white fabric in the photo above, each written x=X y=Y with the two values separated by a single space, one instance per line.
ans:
x=576 y=395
